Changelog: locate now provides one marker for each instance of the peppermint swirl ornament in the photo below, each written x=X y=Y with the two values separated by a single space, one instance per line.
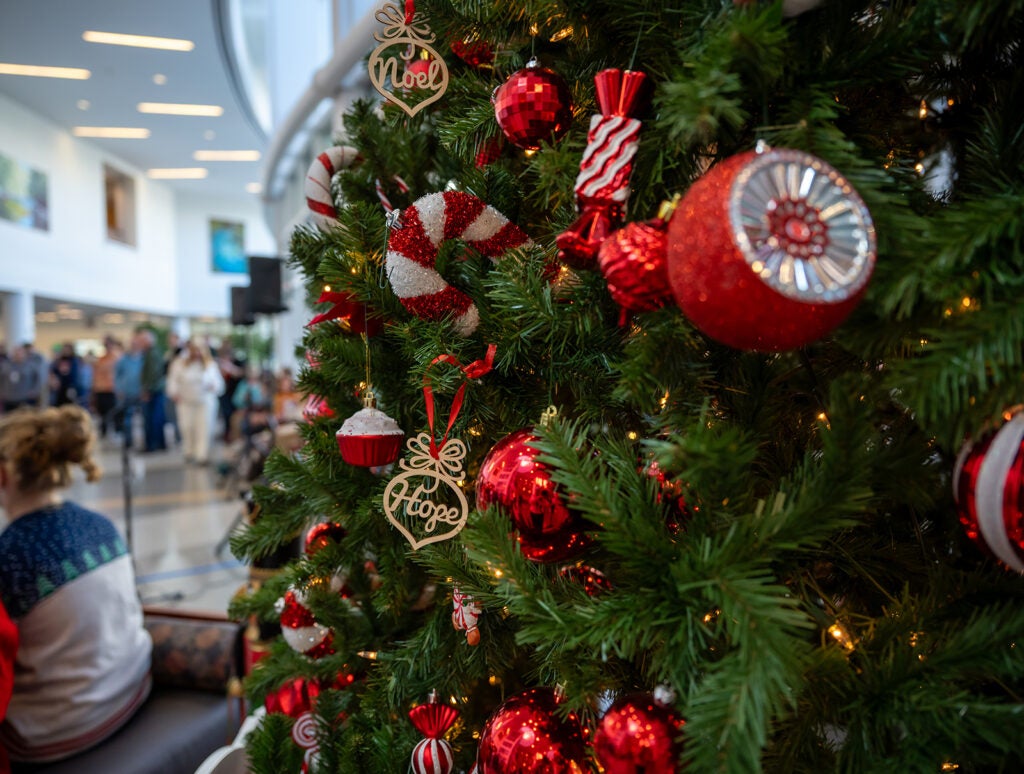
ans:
x=770 y=250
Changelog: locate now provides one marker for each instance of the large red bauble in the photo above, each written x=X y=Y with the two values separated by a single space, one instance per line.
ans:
x=632 y=260
x=512 y=477
x=638 y=735
x=988 y=487
x=770 y=250
x=532 y=106
x=322 y=535
x=525 y=735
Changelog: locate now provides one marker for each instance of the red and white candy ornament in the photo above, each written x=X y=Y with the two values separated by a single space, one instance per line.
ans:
x=433 y=755
x=413 y=244
x=300 y=628
x=319 y=198
x=988 y=485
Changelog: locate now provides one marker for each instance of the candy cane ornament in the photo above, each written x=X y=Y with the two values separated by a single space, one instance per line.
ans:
x=413 y=245
x=319 y=198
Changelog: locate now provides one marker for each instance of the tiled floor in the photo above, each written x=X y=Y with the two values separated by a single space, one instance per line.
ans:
x=180 y=514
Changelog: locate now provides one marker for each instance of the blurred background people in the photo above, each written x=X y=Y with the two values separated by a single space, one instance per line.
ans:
x=66 y=579
x=103 y=390
x=65 y=379
x=154 y=382
x=193 y=385
x=231 y=371
x=128 y=388
x=19 y=381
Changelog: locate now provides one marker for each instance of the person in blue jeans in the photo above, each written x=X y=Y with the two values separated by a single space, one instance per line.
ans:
x=154 y=384
x=128 y=389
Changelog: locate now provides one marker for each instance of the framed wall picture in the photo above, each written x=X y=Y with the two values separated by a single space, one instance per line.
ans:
x=227 y=247
x=24 y=198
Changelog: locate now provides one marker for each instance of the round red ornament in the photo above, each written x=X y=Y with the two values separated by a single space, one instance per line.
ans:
x=633 y=262
x=592 y=580
x=525 y=735
x=770 y=250
x=988 y=487
x=512 y=477
x=639 y=734
x=369 y=438
x=323 y=534
x=534 y=105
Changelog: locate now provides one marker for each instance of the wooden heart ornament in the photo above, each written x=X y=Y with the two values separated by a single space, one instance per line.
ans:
x=421 y=81
x=415 y=501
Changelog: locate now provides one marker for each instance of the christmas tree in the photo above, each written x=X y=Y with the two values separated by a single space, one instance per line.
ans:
x=770 y=292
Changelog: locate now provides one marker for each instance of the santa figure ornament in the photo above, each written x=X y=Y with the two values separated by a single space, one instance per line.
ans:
x=770 y=250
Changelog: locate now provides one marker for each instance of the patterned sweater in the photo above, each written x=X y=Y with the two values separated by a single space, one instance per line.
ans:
x=82 y=668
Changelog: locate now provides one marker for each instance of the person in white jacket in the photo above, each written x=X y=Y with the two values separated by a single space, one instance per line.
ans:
x=193 y=383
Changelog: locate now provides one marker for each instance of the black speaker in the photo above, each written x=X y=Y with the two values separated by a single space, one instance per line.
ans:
x=265 y=285
x=240 y=313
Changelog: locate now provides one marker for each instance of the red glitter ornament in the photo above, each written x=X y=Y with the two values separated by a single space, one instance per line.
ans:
x=534 y=105
x=639 y=734
x=988 y=488
x=475 y=53
x=512 y=477
x=633 y=262
x=770 y=250
x=525 y=735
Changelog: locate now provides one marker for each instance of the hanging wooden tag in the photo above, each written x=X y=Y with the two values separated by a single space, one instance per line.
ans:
x=396 y=70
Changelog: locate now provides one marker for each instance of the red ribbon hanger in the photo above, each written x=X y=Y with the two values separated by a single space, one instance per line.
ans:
x=473 y=370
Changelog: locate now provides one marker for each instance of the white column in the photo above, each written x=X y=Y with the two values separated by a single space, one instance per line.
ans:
x=19 y=318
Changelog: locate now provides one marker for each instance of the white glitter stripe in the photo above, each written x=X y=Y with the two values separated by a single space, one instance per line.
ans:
x=431 y=210
x=409 y=279
x=990 y=487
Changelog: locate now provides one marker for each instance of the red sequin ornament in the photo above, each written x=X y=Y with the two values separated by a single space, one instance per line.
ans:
x=639 y=735
x=475 y=53
x=525 y=735
x=512 y=477
x=633 y=262
x=533 y=106
x=770 y=250
x=988 y=487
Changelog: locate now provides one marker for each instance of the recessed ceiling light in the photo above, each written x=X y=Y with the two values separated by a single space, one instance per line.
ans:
x=83 y=104
x=159 y=79
x=254 y=188
x=113 y=132
x=226 y=155
x=39 y=71
x=137 y=41
x=209 y=134
x=178 y=173
x=170 y=109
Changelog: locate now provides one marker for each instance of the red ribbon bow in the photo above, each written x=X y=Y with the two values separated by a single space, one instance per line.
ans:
x=474 y=370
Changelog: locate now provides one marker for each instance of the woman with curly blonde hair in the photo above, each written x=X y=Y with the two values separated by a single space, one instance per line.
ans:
x=66 y=579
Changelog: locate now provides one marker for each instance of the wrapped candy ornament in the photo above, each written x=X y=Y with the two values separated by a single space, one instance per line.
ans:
x=433 y=755
x=532 y=106
x=988 y=485
x=602 y=185
x=770 y=250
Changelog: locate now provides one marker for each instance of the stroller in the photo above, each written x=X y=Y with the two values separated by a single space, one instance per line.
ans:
x=247 y=456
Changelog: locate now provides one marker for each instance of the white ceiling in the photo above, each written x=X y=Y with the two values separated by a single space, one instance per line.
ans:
x=49 y=32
